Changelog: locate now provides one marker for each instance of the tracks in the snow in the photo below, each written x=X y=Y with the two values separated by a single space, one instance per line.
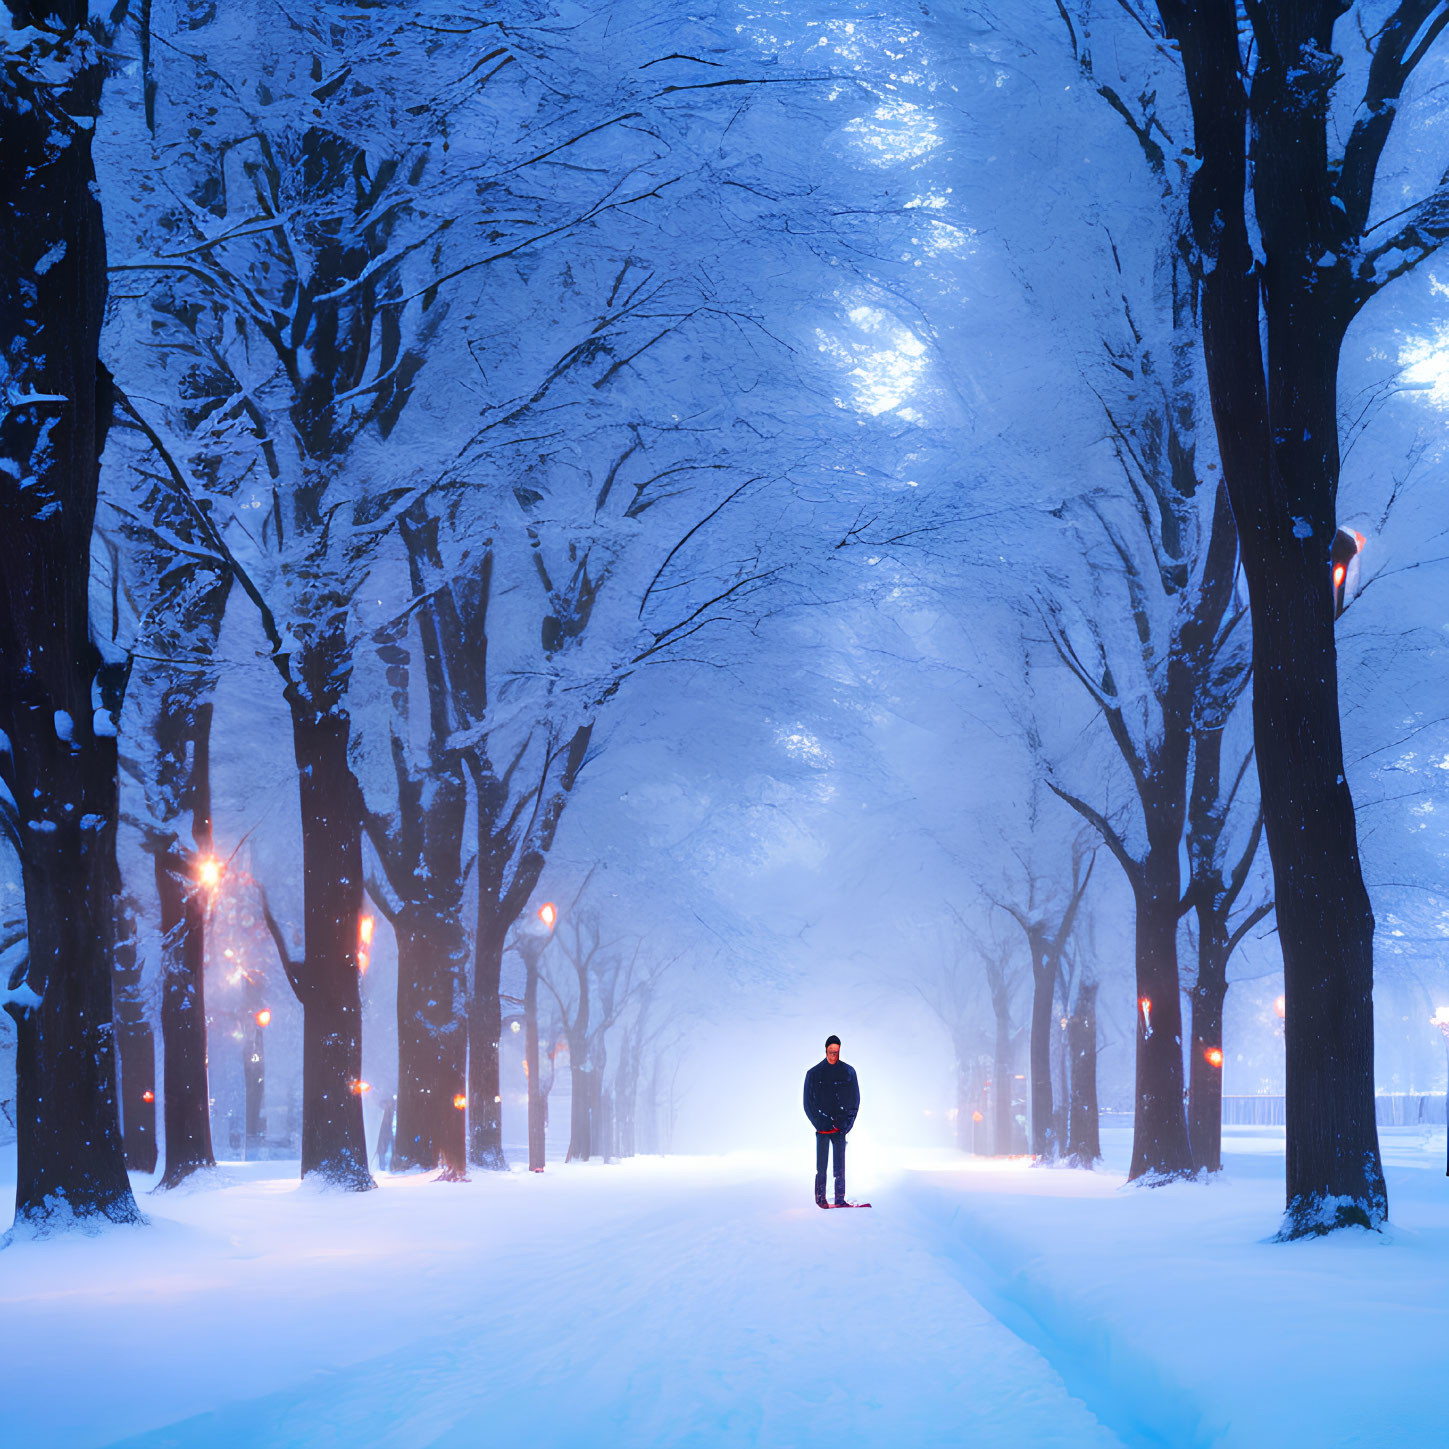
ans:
x=1126 y=1392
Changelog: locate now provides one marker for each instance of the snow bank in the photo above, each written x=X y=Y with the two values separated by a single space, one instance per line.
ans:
x=1173 y=1317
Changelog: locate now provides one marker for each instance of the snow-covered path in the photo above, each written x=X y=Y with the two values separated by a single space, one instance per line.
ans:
x=653 y=1303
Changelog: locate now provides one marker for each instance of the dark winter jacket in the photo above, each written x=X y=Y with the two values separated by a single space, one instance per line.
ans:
x=832 y=1097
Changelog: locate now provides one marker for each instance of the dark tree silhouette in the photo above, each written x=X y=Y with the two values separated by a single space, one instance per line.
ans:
x=1289 y=253
x=60 y=694
x=1047 y=921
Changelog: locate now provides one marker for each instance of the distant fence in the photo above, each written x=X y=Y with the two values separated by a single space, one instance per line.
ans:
x=1391 y=1109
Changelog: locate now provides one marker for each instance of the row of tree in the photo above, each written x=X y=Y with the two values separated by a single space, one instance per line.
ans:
x=301 y=202
x=329 y=377
x=1217 y=559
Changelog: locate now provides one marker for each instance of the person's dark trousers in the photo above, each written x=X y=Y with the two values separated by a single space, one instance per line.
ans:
x=822 y=1152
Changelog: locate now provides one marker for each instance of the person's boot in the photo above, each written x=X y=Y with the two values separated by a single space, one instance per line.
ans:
x=820 y=1202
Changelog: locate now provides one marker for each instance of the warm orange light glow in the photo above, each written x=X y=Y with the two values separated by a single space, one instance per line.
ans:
x=358 y=1088
x=362 y=960
x=525 y=1066
x=547 y=914
x=1214 y=1056
x=1280 y=1005
x=264 y=1017
x=977 y=1117
x=208 y=872
x=460 y=1101
x=148 y=1095
x=1358 y=538
x=364 y=930
x=1338 y=574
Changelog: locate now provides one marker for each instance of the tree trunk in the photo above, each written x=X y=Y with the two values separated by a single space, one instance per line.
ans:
x=256 y=1087
x=421 y=851
x=57 y=749
x=333 y=1144
x=432 y=1044
x=581 y=1080
x=605 y=1141
x=1084 y=1141
x=1001 y=1133
x=1205 y=1059
x=135 y=1050
x=1043 y=1120
x=183 y=735
x=1277 y=430
x=1325 y=922
x=1159 y=1129
x=485 y=1029
x=537 y=1109
x=185 y=1093
x=1062 y=1077
x=626 y=1092
x=601 y=1115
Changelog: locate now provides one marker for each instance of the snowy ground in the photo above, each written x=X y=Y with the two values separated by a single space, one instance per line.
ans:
x=708 y=1302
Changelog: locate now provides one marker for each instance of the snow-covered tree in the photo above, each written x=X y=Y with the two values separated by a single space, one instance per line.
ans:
x=60 y=689
x=1296 y=231
x=280 y=269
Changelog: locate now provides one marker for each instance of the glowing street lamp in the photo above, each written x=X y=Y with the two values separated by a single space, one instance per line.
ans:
x=208 y=872
x=547 y=914
x=1145 y=1007
x=1343 y=556
x=264 y=1017
x=460 y=1101
x=1214 y=1056
x=1280 y=1005
x=365 y=927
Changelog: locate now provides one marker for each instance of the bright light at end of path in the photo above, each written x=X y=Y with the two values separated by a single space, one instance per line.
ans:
x=1214 y=1056
x=264 y=1017
x=547 y=914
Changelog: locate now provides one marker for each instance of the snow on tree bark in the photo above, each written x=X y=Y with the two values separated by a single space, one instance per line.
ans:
x=1273 y=327
x=58 y=787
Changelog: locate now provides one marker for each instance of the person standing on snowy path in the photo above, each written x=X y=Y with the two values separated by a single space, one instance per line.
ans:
x=832 y=1098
